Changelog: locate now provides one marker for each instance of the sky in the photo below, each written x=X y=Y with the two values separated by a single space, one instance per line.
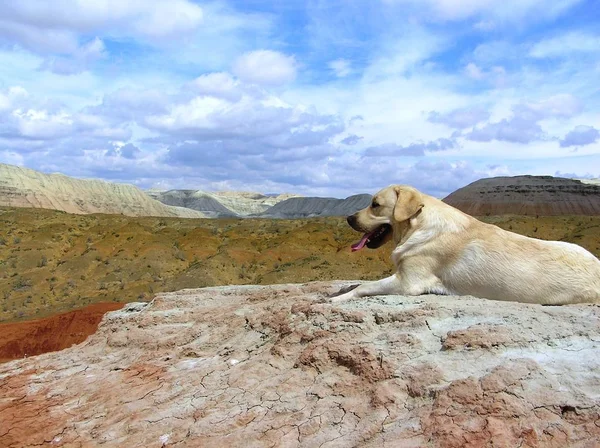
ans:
x=327 y=98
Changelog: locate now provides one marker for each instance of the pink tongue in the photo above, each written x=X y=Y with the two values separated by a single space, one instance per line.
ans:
x=362 y=242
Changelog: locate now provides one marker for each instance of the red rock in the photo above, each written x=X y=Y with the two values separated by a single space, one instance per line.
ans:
x=527 y=195
x=271 y=366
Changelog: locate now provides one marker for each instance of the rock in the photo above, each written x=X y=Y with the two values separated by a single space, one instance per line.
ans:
x=308 y=207
x=278 y=366
x=595 y=181
x=220 y=204
x=246 y=203
x=22 y=187
x=527 y=195
x=48 y=334
x=194 y=199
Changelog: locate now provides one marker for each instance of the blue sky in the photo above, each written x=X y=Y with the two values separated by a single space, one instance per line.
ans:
x=314 y=97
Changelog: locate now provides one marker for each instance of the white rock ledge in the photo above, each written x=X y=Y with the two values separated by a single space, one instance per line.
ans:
x=258 y=366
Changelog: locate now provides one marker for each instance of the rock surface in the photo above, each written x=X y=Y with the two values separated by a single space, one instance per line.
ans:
x=198 y=200
x=308 y=207
x=220 y=204
x=246 y=203
x=22 y=187
x=48 y=334
x=527 y=195
x=273 y=366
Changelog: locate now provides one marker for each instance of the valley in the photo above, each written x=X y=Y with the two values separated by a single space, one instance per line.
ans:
x=52 y=262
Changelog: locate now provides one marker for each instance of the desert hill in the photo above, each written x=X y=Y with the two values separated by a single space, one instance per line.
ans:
x=246 y=203
x=22 y=187
x=243 y=204
x=527 y=195
x=308 y=207
x=595 y=181
x=275 y=366
x=195 y=200
x=52 y=261
x=221 y=204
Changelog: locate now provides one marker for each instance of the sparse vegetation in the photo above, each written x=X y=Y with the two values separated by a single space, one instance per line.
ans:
x=117 y=258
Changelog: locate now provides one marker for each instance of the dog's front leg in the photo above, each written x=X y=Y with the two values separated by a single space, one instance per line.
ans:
x=388 y=285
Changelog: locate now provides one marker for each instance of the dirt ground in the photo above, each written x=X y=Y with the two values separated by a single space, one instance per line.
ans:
x=34 y=337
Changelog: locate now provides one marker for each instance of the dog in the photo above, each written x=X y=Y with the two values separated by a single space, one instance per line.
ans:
x=441 y=250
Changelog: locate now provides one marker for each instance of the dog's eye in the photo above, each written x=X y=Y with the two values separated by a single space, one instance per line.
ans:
x=375 y=204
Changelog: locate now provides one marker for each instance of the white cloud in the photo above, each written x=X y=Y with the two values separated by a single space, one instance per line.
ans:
x=490 y=12
x=566 y=45
x=474 y=72
x=152 y=18
x=220 y=85
x=340 y=67
x=265 y=67
x=581 y=136
x=36 y=39
x=78 y=61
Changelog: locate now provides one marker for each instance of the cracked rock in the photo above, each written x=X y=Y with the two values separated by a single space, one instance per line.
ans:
x=275 y=366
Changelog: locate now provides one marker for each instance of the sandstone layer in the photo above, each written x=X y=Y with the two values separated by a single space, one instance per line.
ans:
x=22 y=187
x=527 y=195
x=220 y=204
x=246 y=203
x=49 y=334
x=277 y=366
x=194 y=199
x=309 y=207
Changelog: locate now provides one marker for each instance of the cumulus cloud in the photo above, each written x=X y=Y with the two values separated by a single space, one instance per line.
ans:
x=566 y=44
x=495 y=75
x=153 y=18
x=265 y=67
x=220 y=85
x=413 y=150
x=128 y=151
x=340 y=67
x=23 y=117
x=523 y=126
x=252 y=118
x=490 y=13
x=580 y=136
x=59 y=30
x=460 y=118
x=516 y=129
x=78 y=61
x=351 y=140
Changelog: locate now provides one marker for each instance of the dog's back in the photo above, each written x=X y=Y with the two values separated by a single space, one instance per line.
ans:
x=502 y=265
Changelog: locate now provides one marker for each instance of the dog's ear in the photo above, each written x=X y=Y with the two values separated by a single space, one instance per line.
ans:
x=408 y=203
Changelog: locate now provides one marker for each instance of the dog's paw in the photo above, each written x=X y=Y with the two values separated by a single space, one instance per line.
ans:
x=344 y=290
x=345 y=293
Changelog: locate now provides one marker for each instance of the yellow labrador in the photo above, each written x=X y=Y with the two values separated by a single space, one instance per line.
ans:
x=441 y=250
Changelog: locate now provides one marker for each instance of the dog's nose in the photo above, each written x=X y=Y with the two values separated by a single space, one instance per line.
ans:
x=351 y=220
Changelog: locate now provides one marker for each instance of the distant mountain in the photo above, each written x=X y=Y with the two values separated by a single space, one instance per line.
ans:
x=595 y=181
x=23 y=187
x=195 y=200
x=246 y=203
x=527 y=195
x=220 y=204
x=306 y=207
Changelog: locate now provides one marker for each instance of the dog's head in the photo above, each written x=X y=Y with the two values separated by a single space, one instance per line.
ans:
x=389 y=208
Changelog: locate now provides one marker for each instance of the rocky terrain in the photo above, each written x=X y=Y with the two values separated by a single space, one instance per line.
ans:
x=22 y=187
x=52 y=262
x=222 y=204
x=51 y=333
x=249 y=203
x=275 y=366
x=309 y=207
x=595 y=181
x=527 y=195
